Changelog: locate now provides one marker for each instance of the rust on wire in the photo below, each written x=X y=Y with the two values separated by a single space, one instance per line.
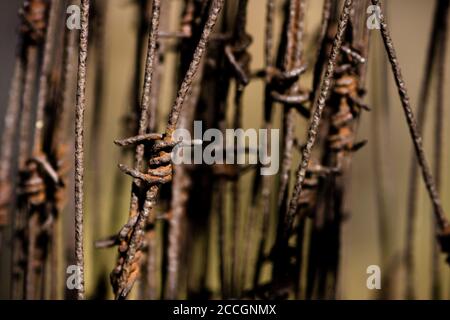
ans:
x=127 y=270
x=284 y=242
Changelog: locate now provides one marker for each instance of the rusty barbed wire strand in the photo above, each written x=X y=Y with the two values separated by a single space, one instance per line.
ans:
x=120 y=275
x=411 y=212
x=441 y=219
x=128 y=268
x=185 y=86
x=79 y=143
x=317 y=113
x=268 y=38
x=152 y=193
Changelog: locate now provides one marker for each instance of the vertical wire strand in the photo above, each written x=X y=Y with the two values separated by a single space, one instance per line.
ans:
x=79 y=143
x=152 y=193
x=143 y=125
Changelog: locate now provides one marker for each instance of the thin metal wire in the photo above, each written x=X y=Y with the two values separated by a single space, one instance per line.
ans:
x=125 y=283
x=79 y=143
x=268 y=41
x=122 y=287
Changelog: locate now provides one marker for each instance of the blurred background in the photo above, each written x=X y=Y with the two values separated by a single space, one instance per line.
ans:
x=410 y=22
